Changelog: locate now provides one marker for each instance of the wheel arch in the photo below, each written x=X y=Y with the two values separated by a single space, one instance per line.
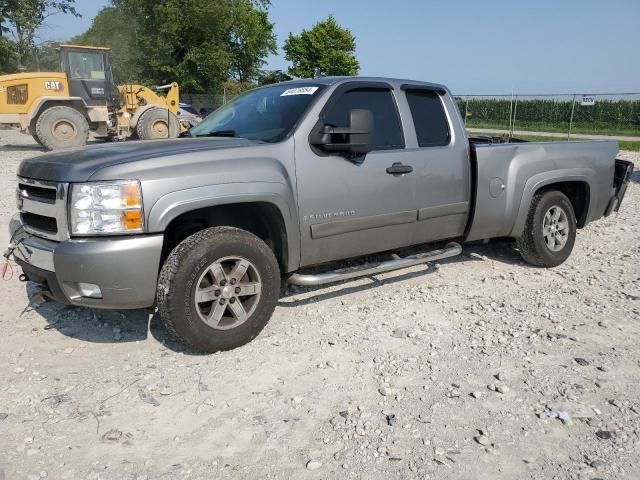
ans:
x=44 y=103
x=577 y=186
x=264 y=213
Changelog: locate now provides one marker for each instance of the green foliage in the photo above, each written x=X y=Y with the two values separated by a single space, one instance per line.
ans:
x=233 y=88
x=198 y=43
x=251 y=39
x=267 y=77
x=114 y=29
x=45 y=58
x=22 y=18
x=620 y=117
x=8 y=56
x=327 y=46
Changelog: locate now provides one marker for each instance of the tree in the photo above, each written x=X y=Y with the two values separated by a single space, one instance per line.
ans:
x=251 y=39
x=8 y=56
x=199 y=43
x=327 y=46
x=45 y=57
x=112 y=28
x=25 y=17
x=267 y=77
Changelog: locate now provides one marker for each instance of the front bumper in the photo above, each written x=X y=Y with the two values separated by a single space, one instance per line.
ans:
x=124 y=268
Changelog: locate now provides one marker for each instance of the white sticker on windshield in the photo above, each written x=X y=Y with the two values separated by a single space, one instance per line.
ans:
x=299 y=91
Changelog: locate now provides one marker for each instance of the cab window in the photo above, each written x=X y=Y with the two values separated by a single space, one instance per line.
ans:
x=429 y=118
x=387 y=133
x=86 y=66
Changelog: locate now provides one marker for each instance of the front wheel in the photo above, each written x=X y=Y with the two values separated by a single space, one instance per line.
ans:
x=157 y=123
x=550 y=230
x=218 y=289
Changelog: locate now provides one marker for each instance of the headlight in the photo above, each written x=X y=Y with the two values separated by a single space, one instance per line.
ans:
x=106 y=208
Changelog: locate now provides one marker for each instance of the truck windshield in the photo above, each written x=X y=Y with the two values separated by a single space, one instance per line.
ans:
x=266 y=114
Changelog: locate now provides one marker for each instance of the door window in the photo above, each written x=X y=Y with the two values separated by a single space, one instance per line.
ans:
x=387 y=128
x=429 y=118
x=86 y=66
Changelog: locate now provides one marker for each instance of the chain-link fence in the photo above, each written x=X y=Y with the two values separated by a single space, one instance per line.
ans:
x=599 y=114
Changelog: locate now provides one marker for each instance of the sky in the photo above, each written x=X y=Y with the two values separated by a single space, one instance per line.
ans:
x=473 y=47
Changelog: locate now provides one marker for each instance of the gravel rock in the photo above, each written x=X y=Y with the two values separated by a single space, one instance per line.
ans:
x=317 y=384
x=313 y=465
x=605 y=434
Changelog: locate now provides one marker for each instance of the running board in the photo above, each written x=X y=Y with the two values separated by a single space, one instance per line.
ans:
x=451 y=250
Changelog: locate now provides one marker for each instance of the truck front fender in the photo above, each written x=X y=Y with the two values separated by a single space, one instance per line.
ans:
x=174 y=204
x=541 y=180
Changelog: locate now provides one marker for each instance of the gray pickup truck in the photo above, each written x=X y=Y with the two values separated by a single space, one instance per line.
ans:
x=286 y=177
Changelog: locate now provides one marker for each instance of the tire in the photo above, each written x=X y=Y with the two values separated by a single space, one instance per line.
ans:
x=32 y=132
x=554 y=248
x=192 y=268
x=152 y=124
x=61 y=127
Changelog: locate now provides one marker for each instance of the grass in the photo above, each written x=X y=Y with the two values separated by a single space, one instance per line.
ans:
x=551 y=127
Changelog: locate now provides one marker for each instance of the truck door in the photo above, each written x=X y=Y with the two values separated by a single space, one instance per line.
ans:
x=440 y=161
x=352 y=207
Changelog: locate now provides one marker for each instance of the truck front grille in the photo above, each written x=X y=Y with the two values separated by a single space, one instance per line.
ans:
x=47 y=195
x=42 y=208
x=40 y=222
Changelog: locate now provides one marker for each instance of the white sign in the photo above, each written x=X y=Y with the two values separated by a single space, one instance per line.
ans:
x=53 y=85
x=588 y=101
x=299 y=91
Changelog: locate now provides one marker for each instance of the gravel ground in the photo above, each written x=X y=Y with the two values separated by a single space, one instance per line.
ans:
x=479 y=367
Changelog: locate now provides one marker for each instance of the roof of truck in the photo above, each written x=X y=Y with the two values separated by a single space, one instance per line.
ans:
x=392 y=81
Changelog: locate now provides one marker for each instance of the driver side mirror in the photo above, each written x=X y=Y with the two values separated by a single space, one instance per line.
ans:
x=357 y=138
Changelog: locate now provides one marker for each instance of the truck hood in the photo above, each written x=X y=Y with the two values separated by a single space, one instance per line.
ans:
x=79 y=164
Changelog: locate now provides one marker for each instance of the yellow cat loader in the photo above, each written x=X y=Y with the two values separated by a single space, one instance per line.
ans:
x=61 y=109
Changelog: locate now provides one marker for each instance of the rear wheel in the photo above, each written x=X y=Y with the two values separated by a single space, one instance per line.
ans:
x=157 y=123
x=218 y=289
x=61 y=127
x=550 y=230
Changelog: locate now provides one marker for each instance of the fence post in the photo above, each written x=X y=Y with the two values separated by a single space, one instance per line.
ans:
x=573 y=107
x=466 y=109
x=511 y=113
x=513 y=124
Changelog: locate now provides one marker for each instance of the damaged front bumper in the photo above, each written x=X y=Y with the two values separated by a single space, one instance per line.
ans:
x=106 y=272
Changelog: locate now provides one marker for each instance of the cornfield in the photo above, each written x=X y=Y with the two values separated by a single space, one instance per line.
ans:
x=607 y=116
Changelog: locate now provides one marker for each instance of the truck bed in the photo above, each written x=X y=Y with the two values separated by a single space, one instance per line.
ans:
x=507 y=176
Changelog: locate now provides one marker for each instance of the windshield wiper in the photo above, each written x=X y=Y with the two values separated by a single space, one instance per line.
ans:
x=223 y=133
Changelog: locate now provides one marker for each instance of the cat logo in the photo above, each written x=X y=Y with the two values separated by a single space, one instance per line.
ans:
x=53 y=85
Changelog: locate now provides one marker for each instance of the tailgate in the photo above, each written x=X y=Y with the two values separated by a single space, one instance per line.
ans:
x=621 y=177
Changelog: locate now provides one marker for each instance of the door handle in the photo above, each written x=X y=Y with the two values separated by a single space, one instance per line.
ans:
x=399 y=169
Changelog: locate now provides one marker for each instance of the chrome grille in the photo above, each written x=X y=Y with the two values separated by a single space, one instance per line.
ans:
x=43 y=208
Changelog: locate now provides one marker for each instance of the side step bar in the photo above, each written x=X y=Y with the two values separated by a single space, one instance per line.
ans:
x=451 y=250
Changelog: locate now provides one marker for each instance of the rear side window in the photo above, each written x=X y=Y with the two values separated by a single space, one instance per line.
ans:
x=432 y=127
x=387 y=129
